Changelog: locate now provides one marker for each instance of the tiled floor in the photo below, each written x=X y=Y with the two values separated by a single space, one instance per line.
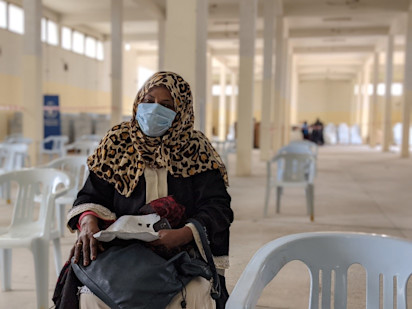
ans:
x=356 y=189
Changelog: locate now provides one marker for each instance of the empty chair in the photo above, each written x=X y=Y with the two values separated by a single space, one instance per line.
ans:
x=83 y=147
x=305 y=143
x=91 y=137
x=327 y=252
x=293 y=170
x=343 y=133
x=54 y=145
x=30 y=228
x=18 y=138
x=12 y=158
x=76 y=168
x=295 y=148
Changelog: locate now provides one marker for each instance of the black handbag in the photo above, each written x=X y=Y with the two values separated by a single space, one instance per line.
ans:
x=133 y=276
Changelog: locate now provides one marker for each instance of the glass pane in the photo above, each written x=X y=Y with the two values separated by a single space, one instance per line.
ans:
x=43 y=30
x=78 y=42
x=3 y=15
x=100 y=52
x=52 y=37
x=66 y=38
x=90 y=47
x=16 y=19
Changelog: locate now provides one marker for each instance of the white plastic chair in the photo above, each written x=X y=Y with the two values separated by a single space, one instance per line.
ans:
x=308 y=144
x=83 y=147
x=57 y=146
x=12 y=157
x=324 y=253
x=18 y=138
x=76 y=168
x=293 y=170
x=30 y=231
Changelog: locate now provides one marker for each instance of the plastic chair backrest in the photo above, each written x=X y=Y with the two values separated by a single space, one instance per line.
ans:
x=29 y=182
x=57 y=143
x=294 y=168
x=12 y=156
x=76 y=167
x=84 y=147
x=325 y=253
x=311 y=145
x=295 y=148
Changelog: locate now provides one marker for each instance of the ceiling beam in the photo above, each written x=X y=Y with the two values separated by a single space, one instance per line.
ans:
x=337 y=32
x=333 y=49
x=103 y=16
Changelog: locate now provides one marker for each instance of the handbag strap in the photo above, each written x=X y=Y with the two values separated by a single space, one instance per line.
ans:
x=205 y=243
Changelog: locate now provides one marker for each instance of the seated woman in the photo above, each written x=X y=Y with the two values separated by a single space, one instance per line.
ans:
x=156 y=154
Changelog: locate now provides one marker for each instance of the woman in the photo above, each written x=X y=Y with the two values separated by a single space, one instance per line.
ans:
x=156 y=154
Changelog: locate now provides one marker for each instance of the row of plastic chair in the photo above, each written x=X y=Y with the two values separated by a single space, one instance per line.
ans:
x=37 y=186
x=31 y=230
x=295 y=167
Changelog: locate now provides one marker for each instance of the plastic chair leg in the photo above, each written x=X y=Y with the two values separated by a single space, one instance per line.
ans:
x=309 y=201
x=40 y=249
x=61 y=218
x=279 y=191
x=57 y=255
x=5 y=265
x=267 y=196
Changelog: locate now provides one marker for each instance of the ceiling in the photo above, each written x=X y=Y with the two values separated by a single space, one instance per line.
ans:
x=329 y=38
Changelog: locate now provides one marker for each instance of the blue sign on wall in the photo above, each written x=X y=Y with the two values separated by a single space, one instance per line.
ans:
x=51 y=116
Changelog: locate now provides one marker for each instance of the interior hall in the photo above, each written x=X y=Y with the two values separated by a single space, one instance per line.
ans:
x=332 y=76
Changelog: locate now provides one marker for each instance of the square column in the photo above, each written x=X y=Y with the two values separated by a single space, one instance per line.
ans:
x=407 y=89
x=185 y=49
x=117 y=61
x=387 y=111
x=244 y=141
x=32 y=79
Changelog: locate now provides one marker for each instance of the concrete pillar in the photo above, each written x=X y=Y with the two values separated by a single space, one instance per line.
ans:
x=222 y=103
x=209 y=97
x=286 y=87
x=373 y=107
x=233 y=100
x=277 y=141
x=161 y=23
x=117 y=60
x=294 y=91
x=248 y=10
x=267 y=80
x=359 y=98
x=387 y=112
x=32 y=80
x=185 y=49
x=365 y=103
x=407 y=88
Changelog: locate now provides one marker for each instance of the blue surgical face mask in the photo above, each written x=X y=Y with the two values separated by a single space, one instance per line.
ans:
x=154 y=119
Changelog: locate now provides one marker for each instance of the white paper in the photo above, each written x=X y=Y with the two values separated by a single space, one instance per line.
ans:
x=131 y=227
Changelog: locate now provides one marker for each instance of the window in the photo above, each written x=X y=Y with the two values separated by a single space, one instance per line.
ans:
x=43 y=30
x=78 y=42
x=142 y=75
x=3 y=14
x=16 y=19
x=90 y=47
x=66 y=38
x=100 y=52
x=52 y=36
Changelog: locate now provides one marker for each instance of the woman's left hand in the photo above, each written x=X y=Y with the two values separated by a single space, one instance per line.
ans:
x=173 y=238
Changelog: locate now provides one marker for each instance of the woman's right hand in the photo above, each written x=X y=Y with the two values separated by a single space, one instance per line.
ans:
x=86 y=243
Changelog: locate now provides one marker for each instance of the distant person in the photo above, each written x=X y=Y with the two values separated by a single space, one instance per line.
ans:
x=317 y=132
x=305 y=130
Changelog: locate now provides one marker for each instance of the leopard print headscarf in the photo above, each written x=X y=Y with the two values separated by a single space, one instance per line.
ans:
x=125 y=151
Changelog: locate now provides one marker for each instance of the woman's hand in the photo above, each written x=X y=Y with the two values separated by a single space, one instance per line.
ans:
x=86 y=243
x=173 y=238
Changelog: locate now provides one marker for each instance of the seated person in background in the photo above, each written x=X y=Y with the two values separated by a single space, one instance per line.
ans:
x=156 y=154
